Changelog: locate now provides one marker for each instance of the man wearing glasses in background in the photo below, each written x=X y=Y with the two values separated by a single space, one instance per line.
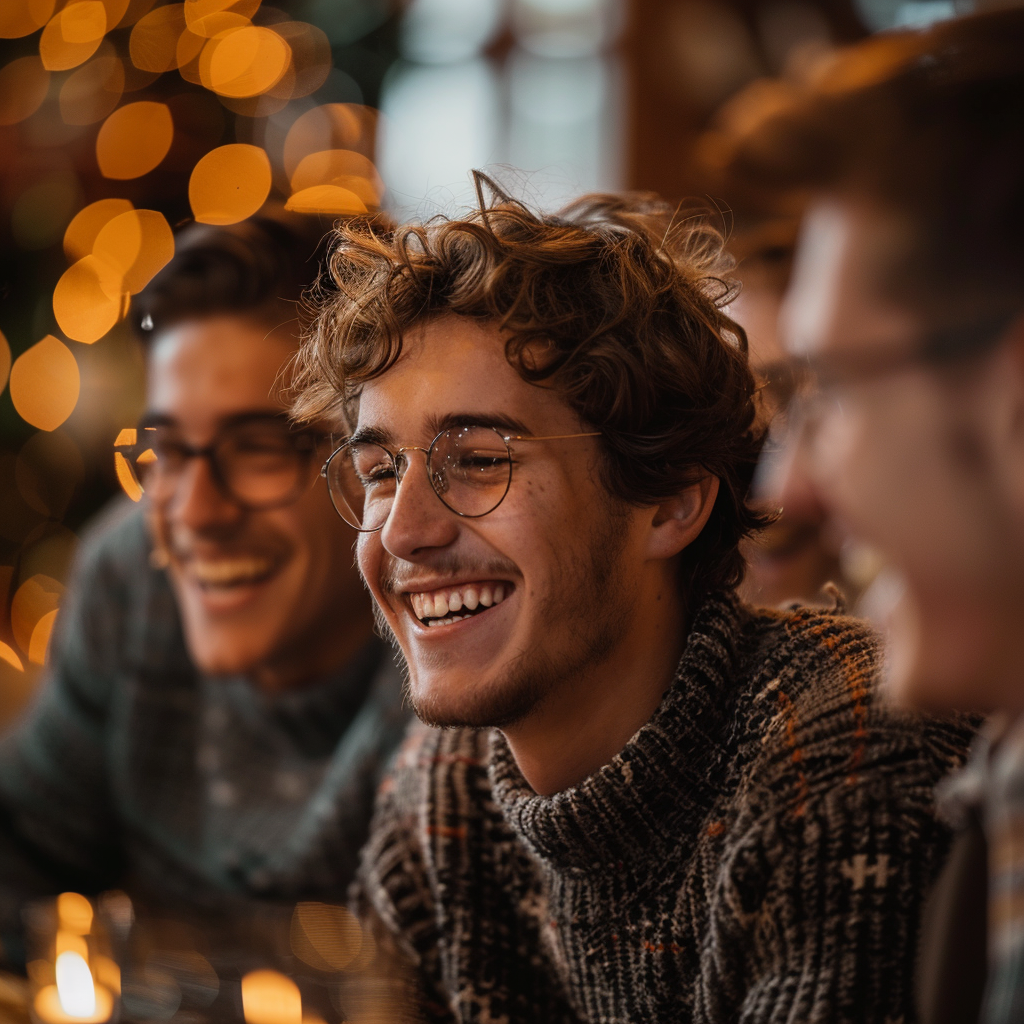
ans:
x=649 y=802
x=216 y=711
x=907 y=310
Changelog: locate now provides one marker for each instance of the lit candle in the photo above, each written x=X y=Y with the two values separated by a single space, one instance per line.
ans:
x=75 y=998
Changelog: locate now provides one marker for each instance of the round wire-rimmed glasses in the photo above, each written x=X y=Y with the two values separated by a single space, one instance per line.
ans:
x=469 y=468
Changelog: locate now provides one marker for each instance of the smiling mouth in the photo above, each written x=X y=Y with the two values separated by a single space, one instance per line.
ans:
x=225 y=573
x=453 y=604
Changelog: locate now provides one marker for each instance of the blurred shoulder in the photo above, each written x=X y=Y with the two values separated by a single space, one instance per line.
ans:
x=819 y=711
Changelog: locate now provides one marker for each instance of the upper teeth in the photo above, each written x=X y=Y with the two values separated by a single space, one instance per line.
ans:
x=436 y=604
x=231 y=570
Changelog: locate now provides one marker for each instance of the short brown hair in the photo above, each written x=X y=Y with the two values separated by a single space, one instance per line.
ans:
x=617 y=301
x=927 y=126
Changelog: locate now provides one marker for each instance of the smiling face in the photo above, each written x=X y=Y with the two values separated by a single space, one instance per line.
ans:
x=917 y=461
x=270 y=593
x=496 y=615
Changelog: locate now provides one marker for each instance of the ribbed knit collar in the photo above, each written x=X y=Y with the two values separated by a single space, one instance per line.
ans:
x=650 y=798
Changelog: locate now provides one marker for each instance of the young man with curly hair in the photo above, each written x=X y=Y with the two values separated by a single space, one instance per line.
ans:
x=647 y=801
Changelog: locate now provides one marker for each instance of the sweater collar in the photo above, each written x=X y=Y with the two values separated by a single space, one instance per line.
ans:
x=650 y=798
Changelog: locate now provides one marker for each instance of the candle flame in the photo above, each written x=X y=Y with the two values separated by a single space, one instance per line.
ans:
x=75 y=988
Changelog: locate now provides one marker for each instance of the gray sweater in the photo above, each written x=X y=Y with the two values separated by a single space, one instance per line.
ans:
x=133 y=769
x=759 y=851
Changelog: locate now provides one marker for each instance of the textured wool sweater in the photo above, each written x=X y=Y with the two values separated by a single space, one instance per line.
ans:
x=759 y=851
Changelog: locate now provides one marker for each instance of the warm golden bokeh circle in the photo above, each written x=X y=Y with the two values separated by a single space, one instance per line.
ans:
x=23 y=17
x=89 y=299
x=81 y=233
x=23 y=86
x=45 y=383
x=229 y=184
x=137 y=244
x=134 y=139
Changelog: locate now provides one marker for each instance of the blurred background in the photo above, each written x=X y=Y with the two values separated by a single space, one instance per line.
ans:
x=121 y=120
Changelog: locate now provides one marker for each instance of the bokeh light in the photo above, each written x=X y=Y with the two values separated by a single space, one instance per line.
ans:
x=270 y=998
x=88 y=300
x=341 y=167
x=137 y=244
x=229 y=184
x=311 y=59
x=73 y=35
x=23 y=17
x=199 y=13
x=154 y=42
x=328 y=199
x=23 y=86
x=93 y=91
x=331 y=126
x=81 y=233
x=244 y=62
x=9 y=655
x=37 y=597
x=75 y=913
x=5 y=360
x=45 y=383
x=324 y=936
x=134 y=139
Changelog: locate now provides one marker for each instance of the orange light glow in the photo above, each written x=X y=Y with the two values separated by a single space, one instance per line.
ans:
x=23 y=86
x=73 y=35
x=244 y=62
x=137 y=244
x=134 y=139
x=126 y=437
x=37 y=596
x=126 y=478
x=340 y=167
x=93 y=91
x=324 y=936
x=23 y=17
x=75 y=913
x=153 y=44
x=197 y=11
x=229 y=184
x=9 y=655
x=81 y=233
x=88 y=300
x=326 y=199
x=69 y=941
x=270 y=998
x=331 y=126
x=45 y=383
x=5 y=360
x=311 y=59
x=116 y=10
x=39 y=642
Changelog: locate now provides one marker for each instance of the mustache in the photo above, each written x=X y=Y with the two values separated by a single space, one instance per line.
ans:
x=396 y=573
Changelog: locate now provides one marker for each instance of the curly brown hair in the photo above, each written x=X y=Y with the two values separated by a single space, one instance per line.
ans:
x=615 y=301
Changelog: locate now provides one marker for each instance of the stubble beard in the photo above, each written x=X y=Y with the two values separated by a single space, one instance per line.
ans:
x=593 y=629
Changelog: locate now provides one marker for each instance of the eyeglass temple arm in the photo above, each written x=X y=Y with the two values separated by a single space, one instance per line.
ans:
x=549 y=437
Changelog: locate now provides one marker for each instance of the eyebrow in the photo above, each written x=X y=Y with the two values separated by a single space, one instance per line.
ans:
x=504 y=424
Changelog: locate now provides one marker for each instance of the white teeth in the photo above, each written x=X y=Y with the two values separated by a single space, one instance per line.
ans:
x=438 y=606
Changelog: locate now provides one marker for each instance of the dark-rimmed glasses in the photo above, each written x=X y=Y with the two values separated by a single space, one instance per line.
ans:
x=469 y=468
x=256 y=460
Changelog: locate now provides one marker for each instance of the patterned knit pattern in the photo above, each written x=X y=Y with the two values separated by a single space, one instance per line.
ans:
x=759 y=851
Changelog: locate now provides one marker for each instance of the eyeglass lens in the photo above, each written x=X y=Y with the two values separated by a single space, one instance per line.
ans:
x=259 y=464
x=469 y=468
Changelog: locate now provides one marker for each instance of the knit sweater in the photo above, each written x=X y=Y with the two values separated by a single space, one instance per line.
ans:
x=759 y=851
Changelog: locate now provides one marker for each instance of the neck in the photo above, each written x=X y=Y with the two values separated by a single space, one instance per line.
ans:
x=582 y=725
x=321 y=650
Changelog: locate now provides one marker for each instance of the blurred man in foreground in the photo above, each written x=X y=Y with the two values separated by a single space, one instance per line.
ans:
x=907 y=304
x=216 y=710
x=650 y=803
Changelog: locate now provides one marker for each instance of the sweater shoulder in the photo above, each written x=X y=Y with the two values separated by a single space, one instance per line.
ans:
x=816 y=713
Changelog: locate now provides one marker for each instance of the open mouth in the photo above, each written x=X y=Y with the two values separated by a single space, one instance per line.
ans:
x=225 y=573
x=453 y=604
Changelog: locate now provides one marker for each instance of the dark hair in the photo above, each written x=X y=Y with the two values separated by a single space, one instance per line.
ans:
x=616 y=300
x=928 y=127
x=259 y=268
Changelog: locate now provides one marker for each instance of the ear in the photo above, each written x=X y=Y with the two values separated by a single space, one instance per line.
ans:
x=678 y=520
